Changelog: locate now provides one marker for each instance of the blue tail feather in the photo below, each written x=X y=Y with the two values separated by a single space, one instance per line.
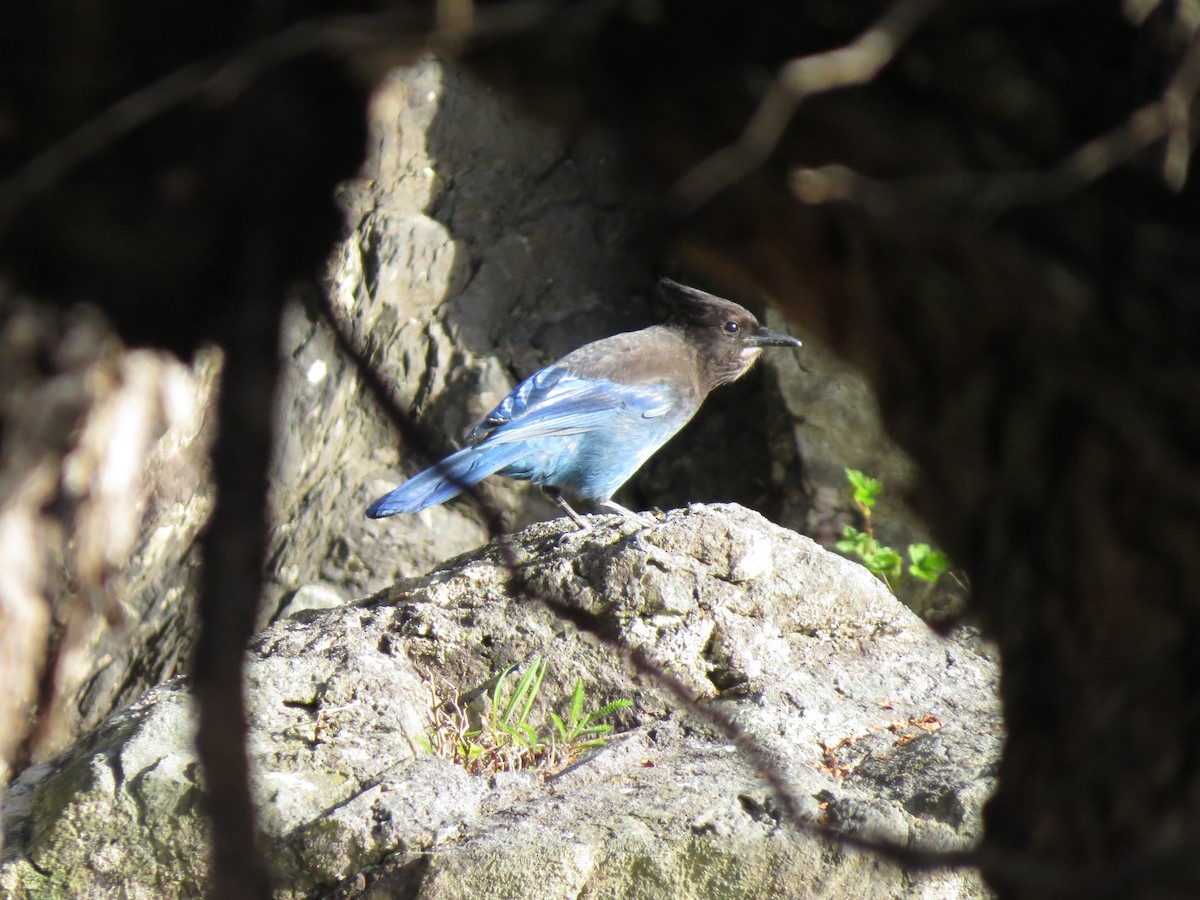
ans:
x=439 y=483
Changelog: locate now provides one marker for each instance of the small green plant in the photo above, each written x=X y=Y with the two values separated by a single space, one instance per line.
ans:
x=927 y=563
x=502 y=738
x=924 y=562
x=509 y=719
x=584 y=730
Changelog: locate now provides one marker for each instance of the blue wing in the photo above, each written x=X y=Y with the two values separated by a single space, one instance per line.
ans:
x=556 y=403
x=523 y=436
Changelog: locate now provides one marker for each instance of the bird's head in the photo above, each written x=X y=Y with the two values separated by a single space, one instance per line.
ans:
x=727 y=336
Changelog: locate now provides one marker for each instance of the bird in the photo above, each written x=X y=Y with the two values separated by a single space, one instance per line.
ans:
x=587 y=423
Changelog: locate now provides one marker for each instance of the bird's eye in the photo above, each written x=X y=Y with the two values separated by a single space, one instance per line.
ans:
x=732 y=328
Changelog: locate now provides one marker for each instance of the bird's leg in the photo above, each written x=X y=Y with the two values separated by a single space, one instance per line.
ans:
x=556 y=495
x=627 y=513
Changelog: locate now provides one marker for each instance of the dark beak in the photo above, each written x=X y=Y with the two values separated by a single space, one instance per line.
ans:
x=764 y=338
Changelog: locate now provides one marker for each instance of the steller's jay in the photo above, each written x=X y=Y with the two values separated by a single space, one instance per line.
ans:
x=586 y=423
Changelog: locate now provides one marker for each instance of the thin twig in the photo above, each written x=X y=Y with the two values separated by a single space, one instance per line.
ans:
x=395 y=33
x=856 y=63
x=213 y=78
x=1177 y=100
x=1168 y=117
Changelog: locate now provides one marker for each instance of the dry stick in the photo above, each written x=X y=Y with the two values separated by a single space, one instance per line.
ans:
x=859 y=62
x=1167 y=118
x=986 y=196
x=394 y=35
x=856 y=63
x=233 y=549
x=1177 y=102
x=209 y=78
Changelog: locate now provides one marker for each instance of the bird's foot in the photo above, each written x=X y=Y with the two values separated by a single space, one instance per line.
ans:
x=584 y=526
x=629 y=514
x=569 y=537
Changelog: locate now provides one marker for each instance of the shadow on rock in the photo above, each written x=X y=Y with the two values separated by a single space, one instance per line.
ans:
x=880 y=728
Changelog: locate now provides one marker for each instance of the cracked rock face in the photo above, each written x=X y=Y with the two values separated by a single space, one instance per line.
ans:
x=481 y=245
x=878 y=727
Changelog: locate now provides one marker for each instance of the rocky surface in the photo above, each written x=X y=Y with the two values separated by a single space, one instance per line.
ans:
x=480 y=246
x=483 y=246
x=103 y=491
x=879 y=727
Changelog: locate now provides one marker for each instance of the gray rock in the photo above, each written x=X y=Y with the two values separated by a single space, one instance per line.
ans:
x=103 y=492
x=879 y=727
x=312 y=596
x=483 y=245
x=480 y=246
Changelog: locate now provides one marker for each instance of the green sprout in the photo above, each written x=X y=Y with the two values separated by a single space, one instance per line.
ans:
x=509 y=719
x=927 y=563
x=583 y=730
x=502 y=738
x=884 y=562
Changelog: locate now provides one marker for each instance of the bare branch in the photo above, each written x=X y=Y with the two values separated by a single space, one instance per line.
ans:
x=1177 y=103
x=388 y=37
x=1168 y=118
x=212 y=77
x=1138 y=11
x=856 y=63
x=234 y=547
